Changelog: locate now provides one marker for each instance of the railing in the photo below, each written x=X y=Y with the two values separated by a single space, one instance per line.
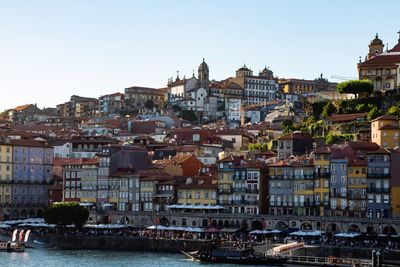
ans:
x=255 y=191
x=330 y=261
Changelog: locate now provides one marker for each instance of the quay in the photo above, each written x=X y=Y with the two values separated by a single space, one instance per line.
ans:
x=329 y=261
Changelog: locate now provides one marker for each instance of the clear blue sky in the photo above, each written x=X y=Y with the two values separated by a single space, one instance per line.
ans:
x=50 y=50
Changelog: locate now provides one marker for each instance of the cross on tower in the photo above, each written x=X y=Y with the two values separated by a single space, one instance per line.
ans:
x=399 y=35
x=177 y=73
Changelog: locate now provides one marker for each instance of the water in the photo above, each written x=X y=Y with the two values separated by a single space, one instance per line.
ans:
x=96 y=258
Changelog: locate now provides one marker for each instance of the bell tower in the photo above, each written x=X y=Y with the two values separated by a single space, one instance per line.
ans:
x=375 y=47
x=203 y=75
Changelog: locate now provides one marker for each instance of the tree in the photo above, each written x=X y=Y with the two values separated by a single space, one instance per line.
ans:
x=355 y=87
x=66 y=213
x=338 y=138
x=394 y=111
x=287 y=126
x=374 y=113
x=149 y=104
x=258 y=146
x=189 y=115
x=328 y=110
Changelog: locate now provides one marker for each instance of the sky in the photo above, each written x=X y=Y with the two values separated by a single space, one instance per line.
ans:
x=50 y=50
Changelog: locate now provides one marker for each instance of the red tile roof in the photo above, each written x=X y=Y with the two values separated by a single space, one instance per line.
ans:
x=385 y=59
x=385 y=118
x=347 y=117
x=74 y=161
x=20 y=108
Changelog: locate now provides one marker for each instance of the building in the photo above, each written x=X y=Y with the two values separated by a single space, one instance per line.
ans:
x=26 y=172
x=230 y=97
x=257 y=89
x=136 y=98
x=226 y=174
x=395 y=183
x=385 y=131
x=80 y=179
x=78 y=106
x=295 y=144
x=357 y=187
x=306 y=88
x=378 y=181
x=24 y=114
x=199 y=190
x=382 y=68
x=322 y=177
x=112 y=103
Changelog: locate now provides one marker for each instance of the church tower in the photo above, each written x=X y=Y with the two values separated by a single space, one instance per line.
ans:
x=375 y=47
x=203 y=75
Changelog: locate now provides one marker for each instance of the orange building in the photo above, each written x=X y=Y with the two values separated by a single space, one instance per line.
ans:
x=385 y=131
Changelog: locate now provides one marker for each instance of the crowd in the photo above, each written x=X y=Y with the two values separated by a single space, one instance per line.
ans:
x=377 y=242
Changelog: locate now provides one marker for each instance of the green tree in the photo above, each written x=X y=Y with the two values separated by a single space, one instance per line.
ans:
x=394 y=111
x=149 y=104
x=338 y=138
x=355 y=87
x=189 y=115
x=328 y=110
x=374 y=113
x=66 y=213
x=287 y=126
x=258 y=146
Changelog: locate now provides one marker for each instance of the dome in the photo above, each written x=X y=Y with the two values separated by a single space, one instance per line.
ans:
x=376 y=41
x=203 y=66
x=244 y=68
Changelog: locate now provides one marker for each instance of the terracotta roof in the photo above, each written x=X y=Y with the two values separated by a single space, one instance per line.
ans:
x=385 y=59
x=162 y=163
x=385 y=118
x=29 y=143
x=357 y=162
x=201 y=182
x=74 y=161
x=396 y=48
x=389 y=127
x=322 y=150
x=296 y=135
x=181 y=158
x=347 y=117
x=189 y=148
x=22 y=107
x=380 y=151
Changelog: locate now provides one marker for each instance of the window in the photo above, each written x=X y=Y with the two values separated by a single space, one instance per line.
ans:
x=196 y=137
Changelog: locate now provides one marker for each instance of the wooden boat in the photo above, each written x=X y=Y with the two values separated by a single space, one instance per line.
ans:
x=12 y=246
x=235 y=255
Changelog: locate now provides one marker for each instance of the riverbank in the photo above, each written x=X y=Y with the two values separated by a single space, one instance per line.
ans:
x=178 y=245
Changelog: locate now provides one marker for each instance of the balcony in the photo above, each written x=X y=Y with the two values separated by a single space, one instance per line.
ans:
x=225 y=190
x=251 y=202
x=378 y=175
x=378 y=190
x=252 y=191
x=238 y=189
x=238 y=202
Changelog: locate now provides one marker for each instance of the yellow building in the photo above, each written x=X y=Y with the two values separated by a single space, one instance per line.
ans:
x=198 y=191
x=385 y=131
x=225 y=180
x=303 y=187
x=147 y=191
x=357 y=187
x=5 y=172
x=322 y=176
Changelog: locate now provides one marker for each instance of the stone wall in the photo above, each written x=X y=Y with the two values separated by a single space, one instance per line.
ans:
x=126 y=243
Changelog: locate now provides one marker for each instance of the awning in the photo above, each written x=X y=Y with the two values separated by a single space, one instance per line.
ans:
x=47 y=225
x=86 y=204
x=105 y=226
x=347 y=235
x=265 y=232
x=4 y=226
x=176 y=228
x=303 y=233
x=198 y=207
x=29 y=220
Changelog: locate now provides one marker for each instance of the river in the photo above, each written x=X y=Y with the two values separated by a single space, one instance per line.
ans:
x=95 y=258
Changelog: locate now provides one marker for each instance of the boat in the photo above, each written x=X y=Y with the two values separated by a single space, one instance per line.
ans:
x=235 y=255
x=14 y=245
